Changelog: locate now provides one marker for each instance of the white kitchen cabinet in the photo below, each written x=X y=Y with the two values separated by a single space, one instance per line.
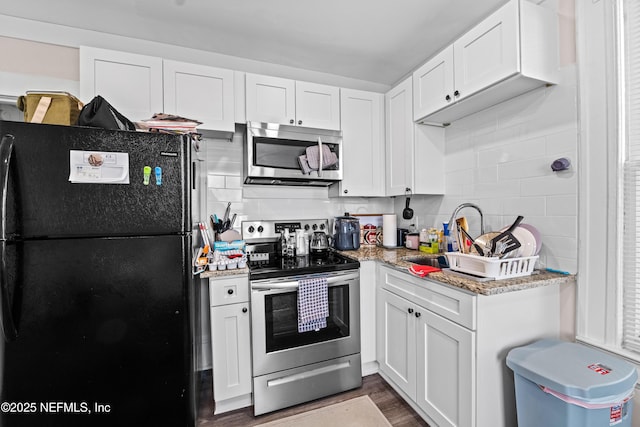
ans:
x=363 y=159
x=444 y=349
x=139 y=86
x=317 y=106
x=230 y=342
x=445 y=368
x=368 y=317
x=396 y=341
x=131 y=83
x=429 y=357
x=200 y=92
x=414 y=152
x=284 y=101
x=399 y=131
x=433 y=84
x=509 y=53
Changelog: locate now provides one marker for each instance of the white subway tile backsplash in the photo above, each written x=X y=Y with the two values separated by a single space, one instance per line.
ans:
x=558 y=226
x=561 y=142
x=562 y=205
x=462 y=159
x=550 y=184
x=525 y=206
x=215 y=181
x=565 y=247
x=223 y=194
x=504 y=189
x=487 y=175
x=530 y=168
x=233 y=182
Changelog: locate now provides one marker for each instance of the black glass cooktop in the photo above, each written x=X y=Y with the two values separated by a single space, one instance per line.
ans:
x=277 y=266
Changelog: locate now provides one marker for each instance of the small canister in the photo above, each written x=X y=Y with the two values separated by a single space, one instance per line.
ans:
x=412 y=241
x=370 y=234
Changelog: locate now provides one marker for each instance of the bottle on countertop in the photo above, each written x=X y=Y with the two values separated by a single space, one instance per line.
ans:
x=302 y=243
x=284 y=241
x=449 y=241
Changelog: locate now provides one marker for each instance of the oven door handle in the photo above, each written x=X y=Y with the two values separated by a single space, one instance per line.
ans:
x=293 y=284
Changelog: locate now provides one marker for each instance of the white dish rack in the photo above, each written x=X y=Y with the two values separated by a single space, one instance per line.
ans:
x=492 y=267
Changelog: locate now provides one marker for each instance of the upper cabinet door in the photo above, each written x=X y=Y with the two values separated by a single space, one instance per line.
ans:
x=433 y=84
x=131 y=83
x=362 y=121
x=317 y=106
x=270 y=99
x=201 y=93
x=488 y=53
x=399 y=131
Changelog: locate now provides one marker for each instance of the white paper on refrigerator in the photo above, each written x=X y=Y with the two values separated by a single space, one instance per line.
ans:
x=98 y=167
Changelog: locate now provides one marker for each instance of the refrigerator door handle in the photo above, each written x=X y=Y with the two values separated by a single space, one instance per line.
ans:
x=6 y=313
x=6 y=149
x=6 y=316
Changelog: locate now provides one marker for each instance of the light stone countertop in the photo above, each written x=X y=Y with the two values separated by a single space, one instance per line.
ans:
x=396 y=258
x=224 y=273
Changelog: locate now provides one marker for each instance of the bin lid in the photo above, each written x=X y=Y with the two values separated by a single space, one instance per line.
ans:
x=573 y=369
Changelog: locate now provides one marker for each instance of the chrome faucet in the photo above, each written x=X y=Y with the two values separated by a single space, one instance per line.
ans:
x=452 y=221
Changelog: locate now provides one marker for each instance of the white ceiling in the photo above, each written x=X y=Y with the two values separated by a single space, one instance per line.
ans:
x=373 y=40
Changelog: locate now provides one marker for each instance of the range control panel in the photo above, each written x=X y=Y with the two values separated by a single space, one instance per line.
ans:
x=264 y=230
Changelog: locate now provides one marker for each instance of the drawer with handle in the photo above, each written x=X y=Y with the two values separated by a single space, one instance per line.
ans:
x=229 y=290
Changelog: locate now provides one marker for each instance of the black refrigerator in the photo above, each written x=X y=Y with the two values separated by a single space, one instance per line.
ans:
x=96 y=290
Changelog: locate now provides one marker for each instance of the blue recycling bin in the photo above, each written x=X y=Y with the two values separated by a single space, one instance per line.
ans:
x=564 y=384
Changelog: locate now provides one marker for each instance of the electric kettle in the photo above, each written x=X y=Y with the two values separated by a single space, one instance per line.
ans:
x=346 y=233
x=319 y=244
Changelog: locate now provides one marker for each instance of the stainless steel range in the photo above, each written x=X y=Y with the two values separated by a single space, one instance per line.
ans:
x=292 y=367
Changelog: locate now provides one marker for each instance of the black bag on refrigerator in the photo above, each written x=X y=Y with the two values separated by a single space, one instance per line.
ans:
x=100 y=114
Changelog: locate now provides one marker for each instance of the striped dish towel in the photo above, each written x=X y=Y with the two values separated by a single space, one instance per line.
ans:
x=313 y=304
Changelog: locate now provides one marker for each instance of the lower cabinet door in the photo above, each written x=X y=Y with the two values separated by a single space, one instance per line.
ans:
x=445 y=370
x=396 y=340
x=231 y=351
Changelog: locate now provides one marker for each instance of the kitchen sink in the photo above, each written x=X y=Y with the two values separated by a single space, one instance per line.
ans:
x=423 y=260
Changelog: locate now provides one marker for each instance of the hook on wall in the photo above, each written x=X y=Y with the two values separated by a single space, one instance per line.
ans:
x=560 y=164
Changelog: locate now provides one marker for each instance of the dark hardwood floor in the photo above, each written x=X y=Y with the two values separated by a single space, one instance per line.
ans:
x=397 y=411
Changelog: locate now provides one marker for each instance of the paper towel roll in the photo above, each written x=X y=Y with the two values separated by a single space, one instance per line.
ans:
x=389 y=227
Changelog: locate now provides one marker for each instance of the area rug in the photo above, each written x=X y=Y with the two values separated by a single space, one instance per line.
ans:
x=357 y=412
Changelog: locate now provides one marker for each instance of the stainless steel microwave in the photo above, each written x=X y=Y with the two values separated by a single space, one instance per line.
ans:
x=291 y=155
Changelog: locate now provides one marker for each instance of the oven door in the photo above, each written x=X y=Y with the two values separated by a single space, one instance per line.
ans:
x=277 y=344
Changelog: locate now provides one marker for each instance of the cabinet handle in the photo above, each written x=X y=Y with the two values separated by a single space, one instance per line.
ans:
x=410 y=310
x=418 y=314
x=456 y=93
x=291 y=121
x=244 y=309
x=448 y=97
x=299 y=122
x=346 y=191
x=230 y=291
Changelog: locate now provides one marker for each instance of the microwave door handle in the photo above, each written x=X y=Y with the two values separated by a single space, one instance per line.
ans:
x=320 y=155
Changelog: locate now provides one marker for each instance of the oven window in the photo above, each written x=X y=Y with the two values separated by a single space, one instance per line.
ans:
x=284 y=153
x=281 y=314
